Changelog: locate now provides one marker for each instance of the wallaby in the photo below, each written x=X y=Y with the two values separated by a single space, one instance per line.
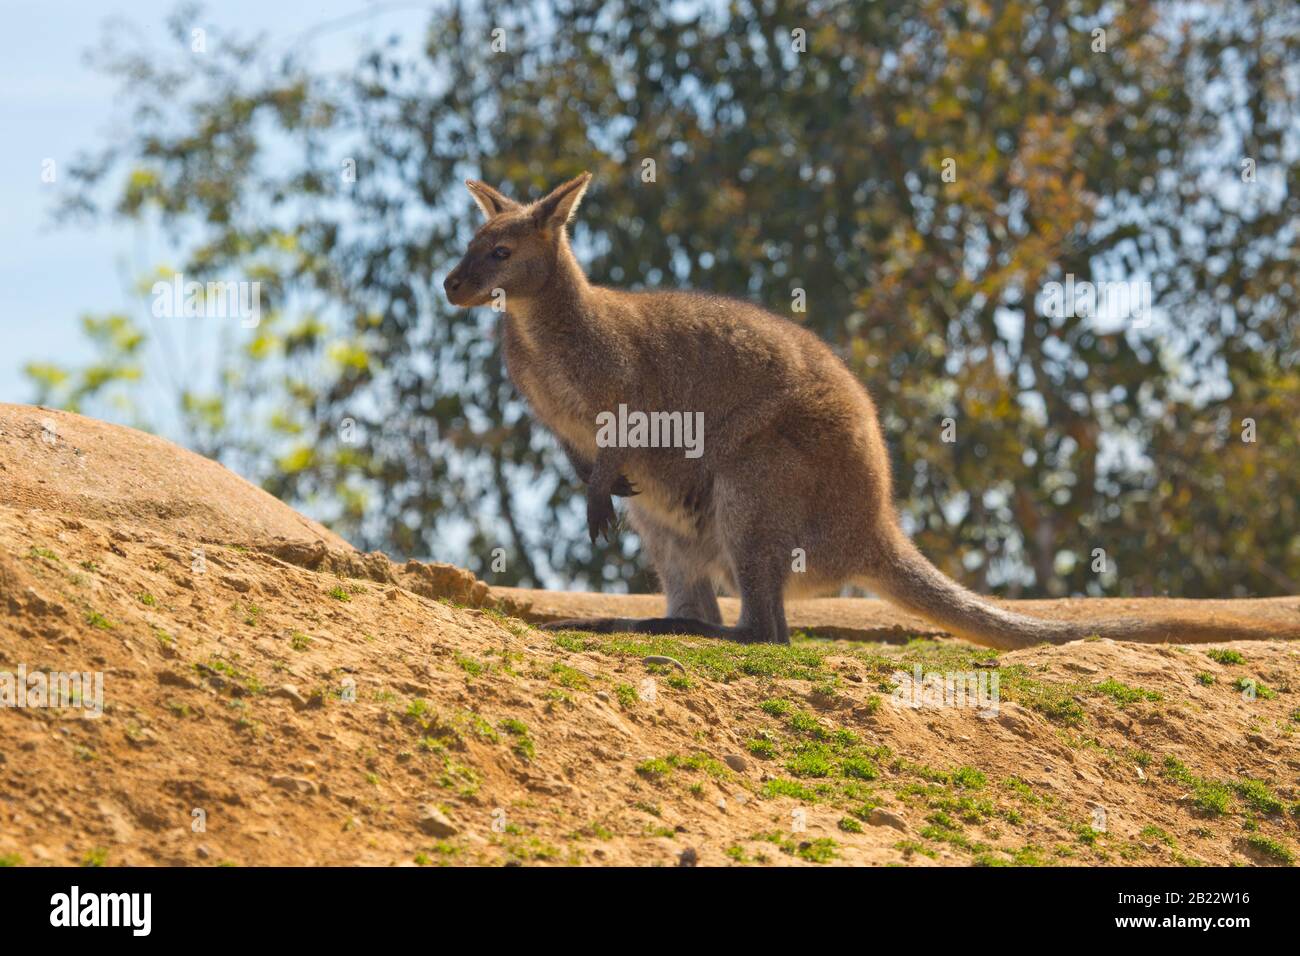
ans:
x=793 y=470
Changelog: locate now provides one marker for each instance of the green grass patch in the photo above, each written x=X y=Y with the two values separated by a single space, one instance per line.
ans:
x=780 y=787
x=1123 y=695
x=1258 y=796
x=523 y=745
x=1209 y=797
x=1273 y=849
x=822 y=850
x=655 y=770
x=1222 y=656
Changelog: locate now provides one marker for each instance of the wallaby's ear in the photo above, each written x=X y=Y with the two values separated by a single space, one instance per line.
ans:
x=489 y=200
x=558 y=207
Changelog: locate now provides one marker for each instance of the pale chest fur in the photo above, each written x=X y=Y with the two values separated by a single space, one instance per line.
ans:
x=550 y=389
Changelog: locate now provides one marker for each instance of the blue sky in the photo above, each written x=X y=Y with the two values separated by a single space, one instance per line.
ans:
x=53 y=105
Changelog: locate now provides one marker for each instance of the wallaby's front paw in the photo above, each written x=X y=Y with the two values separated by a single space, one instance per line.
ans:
x=624 y=488
x=600 y=515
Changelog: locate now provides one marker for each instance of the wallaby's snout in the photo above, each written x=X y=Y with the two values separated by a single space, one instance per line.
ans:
x=456 y=287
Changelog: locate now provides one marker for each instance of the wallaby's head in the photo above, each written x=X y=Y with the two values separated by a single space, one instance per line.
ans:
x=518 y=247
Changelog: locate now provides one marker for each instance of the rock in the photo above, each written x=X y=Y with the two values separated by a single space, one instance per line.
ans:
x=665 y=661
x=602 y=695
x=434 y=822
x=174 y=679
x=688 y=857
x=551 y=786
x=1013 y=718
x=880 y=817
x=736 y=762
x=295 y=784
x=291 y=694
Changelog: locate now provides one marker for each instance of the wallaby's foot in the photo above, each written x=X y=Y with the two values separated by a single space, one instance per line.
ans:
x=659 y=626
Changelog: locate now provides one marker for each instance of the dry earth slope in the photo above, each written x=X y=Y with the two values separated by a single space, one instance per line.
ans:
x=271 y=696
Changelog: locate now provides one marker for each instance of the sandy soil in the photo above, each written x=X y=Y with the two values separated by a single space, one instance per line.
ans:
x=271 y=696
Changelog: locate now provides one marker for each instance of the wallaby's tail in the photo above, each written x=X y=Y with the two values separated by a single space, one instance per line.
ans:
x=902 y=574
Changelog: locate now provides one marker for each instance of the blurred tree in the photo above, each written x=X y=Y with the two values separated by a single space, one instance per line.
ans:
x=919 y=170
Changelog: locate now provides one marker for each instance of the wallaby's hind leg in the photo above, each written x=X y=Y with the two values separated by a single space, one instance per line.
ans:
x=762 y=616
x=684 y=566
x=695 y=599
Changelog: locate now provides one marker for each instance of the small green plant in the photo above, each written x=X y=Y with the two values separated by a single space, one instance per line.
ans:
x=95 y=858
x=822 y=850
x=859 y=768
x=524 y=745
x=1156 y=834
x=850 y=825
x=1123 y=694
x=655 y=770
x=1205 y=678
x=472 y=667
x=761 y=747
x=1223 y=656
x=780 y=787
x=569 y=677
x=339 y=594
x=1252 y=687
x=810 y=760
x=299 y=641
x=1259 y=796
x=95 y=619
x=1273 y=849
x=1209 y=797
x=969 y=778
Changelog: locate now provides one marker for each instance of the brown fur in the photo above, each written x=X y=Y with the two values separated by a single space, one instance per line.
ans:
x=793 y=456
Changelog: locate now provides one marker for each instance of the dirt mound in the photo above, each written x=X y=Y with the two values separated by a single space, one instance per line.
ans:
x=271 y=696
x=59 y=462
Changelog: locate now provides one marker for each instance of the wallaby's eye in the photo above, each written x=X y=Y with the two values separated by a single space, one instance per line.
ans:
x=500 y=252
